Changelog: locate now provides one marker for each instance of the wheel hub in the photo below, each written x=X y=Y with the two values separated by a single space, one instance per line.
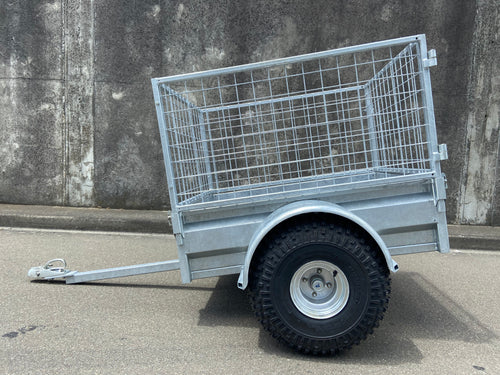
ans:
x=319 y=289
x=317 y=283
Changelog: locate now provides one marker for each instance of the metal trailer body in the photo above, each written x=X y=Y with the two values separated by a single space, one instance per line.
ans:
x=348 y=132
x=303 y=175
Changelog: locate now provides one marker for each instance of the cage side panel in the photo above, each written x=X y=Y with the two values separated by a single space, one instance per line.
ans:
x=297 y=139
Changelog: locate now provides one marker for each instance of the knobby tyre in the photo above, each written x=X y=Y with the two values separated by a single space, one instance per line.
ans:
x=319 y=287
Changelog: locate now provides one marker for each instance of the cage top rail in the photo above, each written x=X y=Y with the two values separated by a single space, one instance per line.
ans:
x=293 y=59
x=253 y=102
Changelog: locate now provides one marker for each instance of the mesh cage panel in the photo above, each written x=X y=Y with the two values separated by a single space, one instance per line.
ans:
x=295 y=125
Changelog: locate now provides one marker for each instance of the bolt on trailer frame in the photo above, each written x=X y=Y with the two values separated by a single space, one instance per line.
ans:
x=335 y=148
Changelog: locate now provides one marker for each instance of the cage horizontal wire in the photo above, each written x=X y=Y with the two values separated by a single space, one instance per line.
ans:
x=295 y=126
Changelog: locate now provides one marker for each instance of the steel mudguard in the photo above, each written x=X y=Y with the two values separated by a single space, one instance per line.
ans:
x=305 y=207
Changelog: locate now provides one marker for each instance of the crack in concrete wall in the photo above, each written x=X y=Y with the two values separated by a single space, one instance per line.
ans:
x=78 y=138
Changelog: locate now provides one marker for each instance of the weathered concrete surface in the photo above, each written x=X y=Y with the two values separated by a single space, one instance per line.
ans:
x=31 y=102
x=78 y=125
x=478 y=199
x=129 y=164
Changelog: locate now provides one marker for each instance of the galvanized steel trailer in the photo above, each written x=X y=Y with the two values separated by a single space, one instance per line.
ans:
x=303 y=175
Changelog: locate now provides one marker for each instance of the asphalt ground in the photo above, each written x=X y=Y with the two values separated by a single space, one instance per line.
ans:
x=443 y=317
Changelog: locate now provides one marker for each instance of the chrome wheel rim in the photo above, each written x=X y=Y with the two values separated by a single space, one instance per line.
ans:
x=319 y=289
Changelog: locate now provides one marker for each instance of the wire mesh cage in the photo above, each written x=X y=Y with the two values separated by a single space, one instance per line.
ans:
x=296 y=125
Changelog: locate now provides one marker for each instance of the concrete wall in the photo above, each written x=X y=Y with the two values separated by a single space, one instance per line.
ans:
x=78 y=126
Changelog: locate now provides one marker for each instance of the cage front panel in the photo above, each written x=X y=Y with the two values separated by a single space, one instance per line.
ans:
x=296 y=126
x=187 y=146
x=396 y=95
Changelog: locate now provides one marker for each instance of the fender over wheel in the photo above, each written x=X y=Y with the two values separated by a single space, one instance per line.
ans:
x=319 y=287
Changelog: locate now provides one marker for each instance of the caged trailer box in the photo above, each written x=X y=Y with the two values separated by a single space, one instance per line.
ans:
x=304 y=176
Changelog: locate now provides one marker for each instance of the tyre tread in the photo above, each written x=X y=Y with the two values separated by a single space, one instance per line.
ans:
x=277 y=248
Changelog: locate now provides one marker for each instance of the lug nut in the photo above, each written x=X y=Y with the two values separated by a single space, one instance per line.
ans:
x=304 y=279
x=315 y=294
x=328 y=285
x=318 y=270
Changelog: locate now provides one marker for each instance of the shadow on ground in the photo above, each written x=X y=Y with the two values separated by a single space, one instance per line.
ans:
x=418 y=310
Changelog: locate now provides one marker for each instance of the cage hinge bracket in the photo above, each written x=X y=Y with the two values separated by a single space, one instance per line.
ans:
x=442 y=153
x=439 y=188
x=431 y=59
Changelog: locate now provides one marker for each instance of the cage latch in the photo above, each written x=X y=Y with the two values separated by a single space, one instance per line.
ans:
x=431 y=59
